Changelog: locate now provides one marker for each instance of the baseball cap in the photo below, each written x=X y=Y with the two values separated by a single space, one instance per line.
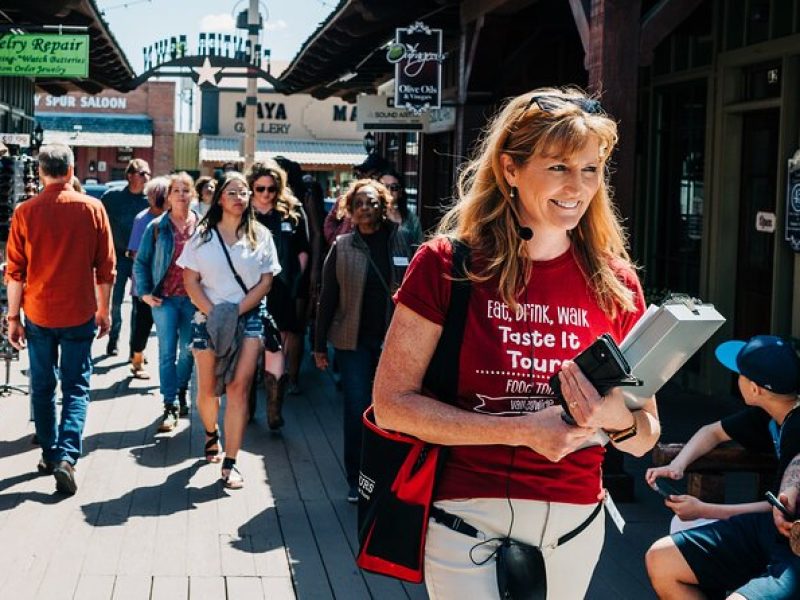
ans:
x=767 y=360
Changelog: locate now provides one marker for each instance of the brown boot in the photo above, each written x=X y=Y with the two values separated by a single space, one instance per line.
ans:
x=275 y=390
x=137 y=366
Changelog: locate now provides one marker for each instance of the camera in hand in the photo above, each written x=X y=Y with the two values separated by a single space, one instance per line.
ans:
x=604 y=366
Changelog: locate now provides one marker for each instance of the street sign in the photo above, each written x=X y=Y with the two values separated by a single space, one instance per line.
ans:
x=417 y=57
x=44 y=55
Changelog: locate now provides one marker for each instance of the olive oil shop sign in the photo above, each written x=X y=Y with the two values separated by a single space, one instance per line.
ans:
x=44 y=55
x=417 y=57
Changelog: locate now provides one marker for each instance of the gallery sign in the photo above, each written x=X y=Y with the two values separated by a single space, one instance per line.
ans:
x=44 y=55
x=417 y=57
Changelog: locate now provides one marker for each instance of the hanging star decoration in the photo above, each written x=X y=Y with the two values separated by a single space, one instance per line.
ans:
x=206 y=73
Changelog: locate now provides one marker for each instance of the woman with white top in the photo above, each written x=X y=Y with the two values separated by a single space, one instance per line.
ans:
x=228 y=269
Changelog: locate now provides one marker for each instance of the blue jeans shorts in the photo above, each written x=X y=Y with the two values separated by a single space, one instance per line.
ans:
x=253 y=328
x=744 y=553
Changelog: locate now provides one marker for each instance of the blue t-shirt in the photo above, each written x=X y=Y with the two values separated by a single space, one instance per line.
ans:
x=140 y=222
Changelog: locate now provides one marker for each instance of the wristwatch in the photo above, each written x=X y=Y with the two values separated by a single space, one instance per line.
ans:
x=624 y=434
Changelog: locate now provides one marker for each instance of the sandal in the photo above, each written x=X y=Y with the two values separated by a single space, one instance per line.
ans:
x=213 y=451
x=231 y=477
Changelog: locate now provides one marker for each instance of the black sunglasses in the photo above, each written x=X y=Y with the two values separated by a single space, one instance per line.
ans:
x=549 y=103
x=394 y=187
x=262 y=188
x=143 y=173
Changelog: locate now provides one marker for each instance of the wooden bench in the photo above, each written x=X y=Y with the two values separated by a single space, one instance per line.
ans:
x=705 y=477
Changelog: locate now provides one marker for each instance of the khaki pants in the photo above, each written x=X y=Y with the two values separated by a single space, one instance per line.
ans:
x=450 y=557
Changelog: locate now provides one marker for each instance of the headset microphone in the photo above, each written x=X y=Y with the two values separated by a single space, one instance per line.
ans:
x=526 y=233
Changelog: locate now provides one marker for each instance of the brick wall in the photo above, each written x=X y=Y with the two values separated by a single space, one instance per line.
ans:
x=155 y=99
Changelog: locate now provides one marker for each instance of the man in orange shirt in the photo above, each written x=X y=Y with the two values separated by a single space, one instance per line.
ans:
x=60 y=269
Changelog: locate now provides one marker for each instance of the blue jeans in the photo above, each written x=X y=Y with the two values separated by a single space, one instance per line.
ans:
x=60 y=441
x=357 y=368
x=124 y=269
x=173 y=321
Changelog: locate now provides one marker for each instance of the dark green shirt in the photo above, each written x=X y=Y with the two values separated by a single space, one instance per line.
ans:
x=122 y=207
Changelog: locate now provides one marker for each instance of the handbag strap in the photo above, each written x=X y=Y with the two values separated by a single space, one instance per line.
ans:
x=441 y=377
x=236 y=275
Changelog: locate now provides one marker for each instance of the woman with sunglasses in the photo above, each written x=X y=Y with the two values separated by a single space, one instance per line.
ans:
x=362 y=271
x=228 y=268
x=159 y=283
x=398 y=212
x=279 y=211
x=548 y=272
x=141 y=313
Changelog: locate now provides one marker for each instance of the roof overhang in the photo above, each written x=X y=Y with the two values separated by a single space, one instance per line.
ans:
x=97 y=129
x=108 y=65
x=215 y=149
x=343 y=56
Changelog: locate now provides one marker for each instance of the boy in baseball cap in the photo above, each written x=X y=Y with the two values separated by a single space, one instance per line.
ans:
x=768 y=361
x=740 y=551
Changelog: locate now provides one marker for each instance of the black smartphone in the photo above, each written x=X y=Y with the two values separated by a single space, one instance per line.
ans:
x=664 y=489
x=779 y=505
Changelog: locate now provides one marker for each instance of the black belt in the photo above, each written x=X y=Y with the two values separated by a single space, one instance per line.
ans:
x=458 y=524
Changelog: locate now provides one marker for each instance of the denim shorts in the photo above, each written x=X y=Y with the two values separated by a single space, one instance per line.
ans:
x=253 y=328
x=744 y=553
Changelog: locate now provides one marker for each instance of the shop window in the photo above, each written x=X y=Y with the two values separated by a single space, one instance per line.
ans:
x=690 y=46
x=676 y=238
x=758 y=21
x=782 y=17
x=762 y=81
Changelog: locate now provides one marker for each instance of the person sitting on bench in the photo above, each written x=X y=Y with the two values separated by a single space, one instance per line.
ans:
x=742 y=551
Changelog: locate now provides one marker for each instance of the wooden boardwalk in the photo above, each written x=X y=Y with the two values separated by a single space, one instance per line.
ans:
x=151 y=520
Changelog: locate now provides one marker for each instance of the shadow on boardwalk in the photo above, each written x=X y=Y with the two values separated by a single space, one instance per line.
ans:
x=151 y=517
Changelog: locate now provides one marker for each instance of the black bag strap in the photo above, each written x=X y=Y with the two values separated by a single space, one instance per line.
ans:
x=441 y=378
x=236 y=275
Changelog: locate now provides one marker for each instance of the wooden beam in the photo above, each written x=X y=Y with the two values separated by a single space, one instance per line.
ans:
x=582 y=23
x=476 y=36
x=471 y=10
x=660 y=22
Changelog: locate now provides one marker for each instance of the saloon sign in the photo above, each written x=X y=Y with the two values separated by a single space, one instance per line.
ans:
x=417 y=57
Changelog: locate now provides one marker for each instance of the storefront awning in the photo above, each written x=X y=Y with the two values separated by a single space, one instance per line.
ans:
x=305 y=152
x=100 y=130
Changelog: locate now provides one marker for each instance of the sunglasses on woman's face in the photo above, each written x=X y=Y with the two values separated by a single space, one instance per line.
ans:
x=266 y=188
x=237 y=194
x=393 y=187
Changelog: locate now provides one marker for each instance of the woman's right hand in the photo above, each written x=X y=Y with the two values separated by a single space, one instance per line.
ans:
x=669 y=471
x=551 y=437
x=151 y=300
x=321 y=360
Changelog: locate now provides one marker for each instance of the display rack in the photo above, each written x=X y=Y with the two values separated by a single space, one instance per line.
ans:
x=19 y=180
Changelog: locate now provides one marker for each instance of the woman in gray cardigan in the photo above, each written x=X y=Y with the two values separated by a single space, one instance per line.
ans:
x=362 y=271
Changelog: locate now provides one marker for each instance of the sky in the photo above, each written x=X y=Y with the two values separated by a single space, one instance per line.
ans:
x=138 y=23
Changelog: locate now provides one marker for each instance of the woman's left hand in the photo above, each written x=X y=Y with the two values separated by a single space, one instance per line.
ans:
x=587 y=406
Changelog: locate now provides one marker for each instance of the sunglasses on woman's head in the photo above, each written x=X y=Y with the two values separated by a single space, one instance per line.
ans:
x=549 y=103
x=268 y=188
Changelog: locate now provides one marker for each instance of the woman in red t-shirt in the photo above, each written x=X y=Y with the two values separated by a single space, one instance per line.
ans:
x=549 y=273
